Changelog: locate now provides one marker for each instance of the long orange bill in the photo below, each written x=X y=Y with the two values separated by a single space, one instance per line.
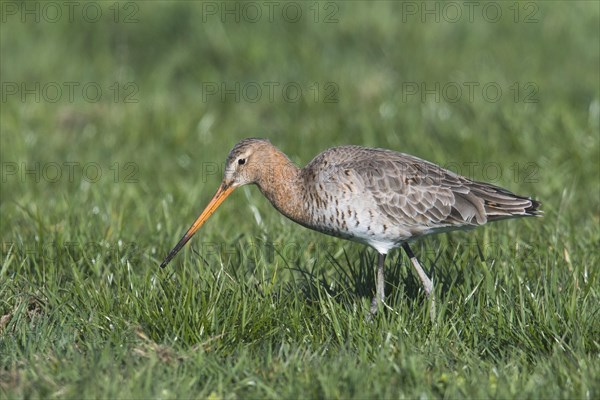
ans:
x=217 y=199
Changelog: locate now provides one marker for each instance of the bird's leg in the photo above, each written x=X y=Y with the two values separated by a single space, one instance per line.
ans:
x=427 y=283
x=380 y=287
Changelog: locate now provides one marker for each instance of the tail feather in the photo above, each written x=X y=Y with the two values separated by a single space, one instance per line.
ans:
x=500 y=203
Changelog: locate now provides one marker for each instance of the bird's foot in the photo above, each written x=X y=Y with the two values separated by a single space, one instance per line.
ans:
x=376 y=304
x=374 y=308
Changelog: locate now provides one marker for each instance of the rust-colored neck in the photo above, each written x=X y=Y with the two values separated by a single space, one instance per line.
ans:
x=280 y=182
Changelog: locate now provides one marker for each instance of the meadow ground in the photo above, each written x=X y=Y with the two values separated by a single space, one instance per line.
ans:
x=114 y=129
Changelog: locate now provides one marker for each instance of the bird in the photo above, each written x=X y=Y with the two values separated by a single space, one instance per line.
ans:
x=378 y=197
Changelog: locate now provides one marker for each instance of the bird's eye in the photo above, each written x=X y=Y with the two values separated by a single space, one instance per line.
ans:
x=241 y=161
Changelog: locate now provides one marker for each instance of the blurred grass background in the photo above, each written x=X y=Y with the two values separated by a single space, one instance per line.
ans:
x=84 y=307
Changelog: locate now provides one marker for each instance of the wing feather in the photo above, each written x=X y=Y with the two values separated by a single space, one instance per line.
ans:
x=415 y=193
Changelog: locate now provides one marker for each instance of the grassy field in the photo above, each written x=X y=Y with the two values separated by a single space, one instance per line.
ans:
x=116 y=119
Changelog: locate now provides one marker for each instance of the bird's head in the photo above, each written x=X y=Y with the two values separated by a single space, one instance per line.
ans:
x=246 y=163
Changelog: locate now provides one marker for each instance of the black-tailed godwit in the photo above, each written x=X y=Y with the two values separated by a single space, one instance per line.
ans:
x=378 y=197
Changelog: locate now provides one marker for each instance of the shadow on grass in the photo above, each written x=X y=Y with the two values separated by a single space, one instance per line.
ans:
x=354 y=280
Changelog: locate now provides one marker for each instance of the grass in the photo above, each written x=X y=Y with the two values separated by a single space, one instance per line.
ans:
x=256 y=306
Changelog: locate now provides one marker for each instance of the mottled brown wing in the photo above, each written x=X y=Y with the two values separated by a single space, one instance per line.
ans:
x=418 y=193
x=414 y=192
x=411 y=191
